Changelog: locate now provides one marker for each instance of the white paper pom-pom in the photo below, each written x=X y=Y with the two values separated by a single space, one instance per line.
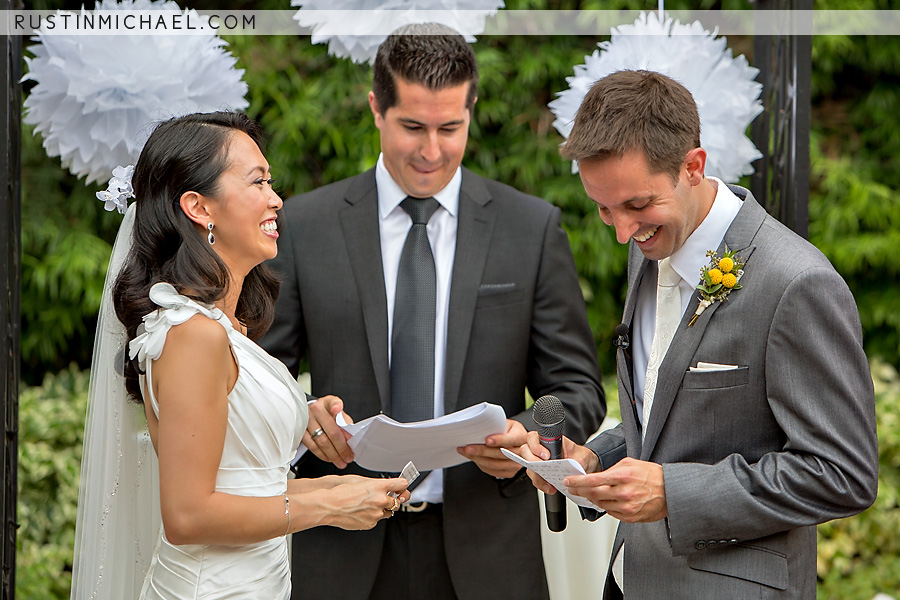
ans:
x=465 y=16
x=727 y=97
x=97 y=96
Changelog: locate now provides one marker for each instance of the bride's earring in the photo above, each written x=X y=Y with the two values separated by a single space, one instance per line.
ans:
x=210 y=238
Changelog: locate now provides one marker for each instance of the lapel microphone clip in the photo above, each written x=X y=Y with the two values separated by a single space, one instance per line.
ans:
x=621 y=339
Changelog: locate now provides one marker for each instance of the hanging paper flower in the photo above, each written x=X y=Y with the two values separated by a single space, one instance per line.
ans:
x=97 y=96
x=727 y=97
x=465 y=16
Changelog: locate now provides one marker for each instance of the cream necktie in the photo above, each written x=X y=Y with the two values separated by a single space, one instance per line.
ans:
x=668 y=315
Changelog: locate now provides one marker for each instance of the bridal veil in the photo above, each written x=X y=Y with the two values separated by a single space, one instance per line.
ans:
x=118 y=501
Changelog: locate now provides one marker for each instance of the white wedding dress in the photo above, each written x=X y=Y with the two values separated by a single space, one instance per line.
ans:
x=267 y=415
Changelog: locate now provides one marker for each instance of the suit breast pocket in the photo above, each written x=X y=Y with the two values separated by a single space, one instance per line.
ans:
x=498 y=294
x=716 y=380
x=720 y=410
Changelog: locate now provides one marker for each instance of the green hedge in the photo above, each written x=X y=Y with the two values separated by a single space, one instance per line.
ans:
x=51 y=430
x=858 y=557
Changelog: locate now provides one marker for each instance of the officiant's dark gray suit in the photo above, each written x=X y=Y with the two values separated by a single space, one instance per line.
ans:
x=753 y=458
x=516 y=318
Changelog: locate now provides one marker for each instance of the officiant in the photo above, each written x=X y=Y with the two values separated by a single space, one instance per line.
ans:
x=417 y=289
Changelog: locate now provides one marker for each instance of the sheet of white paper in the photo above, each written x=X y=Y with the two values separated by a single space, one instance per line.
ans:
x=554 y=472
x=382 y=444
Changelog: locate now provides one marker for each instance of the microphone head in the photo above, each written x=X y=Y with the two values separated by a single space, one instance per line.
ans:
x=549 y=416
x=621 y=340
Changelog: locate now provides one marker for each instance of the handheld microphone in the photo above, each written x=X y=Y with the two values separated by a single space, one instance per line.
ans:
x=550 y=418
x=621 y=340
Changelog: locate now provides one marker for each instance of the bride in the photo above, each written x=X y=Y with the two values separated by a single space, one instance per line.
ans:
x=224 y=418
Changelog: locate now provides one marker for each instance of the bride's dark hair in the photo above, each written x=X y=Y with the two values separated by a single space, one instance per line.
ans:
x=184 y=154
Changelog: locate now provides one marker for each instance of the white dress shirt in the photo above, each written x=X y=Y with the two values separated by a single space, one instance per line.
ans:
x=393 y=226
x=687 y=262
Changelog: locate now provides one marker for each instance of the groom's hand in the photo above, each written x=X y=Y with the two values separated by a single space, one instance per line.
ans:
x=533 y=450
x=631 y=490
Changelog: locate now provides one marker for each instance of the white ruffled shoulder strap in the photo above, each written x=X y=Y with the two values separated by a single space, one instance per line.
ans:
x=174 y=309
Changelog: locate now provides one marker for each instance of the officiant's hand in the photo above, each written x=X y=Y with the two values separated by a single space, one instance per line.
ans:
x=323 y=436
x=488 y=456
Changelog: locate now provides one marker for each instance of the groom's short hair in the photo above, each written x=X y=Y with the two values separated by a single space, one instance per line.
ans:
x=636 y=110
x=429 y=54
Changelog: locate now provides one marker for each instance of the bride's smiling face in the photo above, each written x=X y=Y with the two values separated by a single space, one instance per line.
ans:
x=244 y=208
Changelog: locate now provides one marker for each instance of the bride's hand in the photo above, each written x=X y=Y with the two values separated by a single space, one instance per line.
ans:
x=360 y=502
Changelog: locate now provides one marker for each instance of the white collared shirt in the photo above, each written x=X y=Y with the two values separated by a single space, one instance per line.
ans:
x=687 y=262
x=393 y=226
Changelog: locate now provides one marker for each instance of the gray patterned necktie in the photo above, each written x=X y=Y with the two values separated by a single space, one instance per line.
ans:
x=415 y=310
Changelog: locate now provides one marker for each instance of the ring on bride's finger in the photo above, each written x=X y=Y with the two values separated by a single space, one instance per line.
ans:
x=317 y=433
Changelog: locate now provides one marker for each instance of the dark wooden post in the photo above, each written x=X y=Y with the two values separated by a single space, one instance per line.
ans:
x=781 y=132
x=10 y=270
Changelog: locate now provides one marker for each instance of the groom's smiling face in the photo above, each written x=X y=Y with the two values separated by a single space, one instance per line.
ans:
x=656 y=211
x=423 y=135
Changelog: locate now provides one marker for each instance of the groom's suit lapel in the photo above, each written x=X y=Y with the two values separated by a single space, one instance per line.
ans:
x=359 y=224
x=687 y=339
x=637 y=267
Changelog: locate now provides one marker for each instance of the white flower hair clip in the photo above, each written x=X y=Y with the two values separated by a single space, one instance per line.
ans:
x=119 y=191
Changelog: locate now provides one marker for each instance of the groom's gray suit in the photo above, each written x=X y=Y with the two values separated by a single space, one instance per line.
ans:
x=753 y=458
x=516 y=319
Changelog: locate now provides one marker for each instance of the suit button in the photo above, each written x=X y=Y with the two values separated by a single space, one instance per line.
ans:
x=724 y=542
x=710 y=544
x=700 y=545
x=733 y=541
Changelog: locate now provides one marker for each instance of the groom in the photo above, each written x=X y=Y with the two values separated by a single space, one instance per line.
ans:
x=745 y=426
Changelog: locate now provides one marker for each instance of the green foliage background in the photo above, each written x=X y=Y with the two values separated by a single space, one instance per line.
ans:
x=860 y=556
x=51 y=430
x=314 y=110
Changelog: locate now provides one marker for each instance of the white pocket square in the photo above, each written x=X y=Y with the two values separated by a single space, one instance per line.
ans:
x=706 y=366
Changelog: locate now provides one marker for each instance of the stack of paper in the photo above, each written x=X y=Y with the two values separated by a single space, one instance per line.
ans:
x=383 y=444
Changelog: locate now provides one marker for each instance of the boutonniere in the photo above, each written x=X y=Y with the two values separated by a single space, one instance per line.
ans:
x=718 y=279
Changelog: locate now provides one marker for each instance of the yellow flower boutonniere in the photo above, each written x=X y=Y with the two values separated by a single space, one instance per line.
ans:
x=718 y=279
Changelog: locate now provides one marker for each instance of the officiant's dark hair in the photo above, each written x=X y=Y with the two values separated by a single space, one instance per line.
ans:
x=187 y=153
x=429 y=54
x=636 y=110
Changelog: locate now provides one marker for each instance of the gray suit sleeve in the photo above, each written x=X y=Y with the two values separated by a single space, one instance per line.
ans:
x=820 y=393
x=562 y=355
x=609 y=446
